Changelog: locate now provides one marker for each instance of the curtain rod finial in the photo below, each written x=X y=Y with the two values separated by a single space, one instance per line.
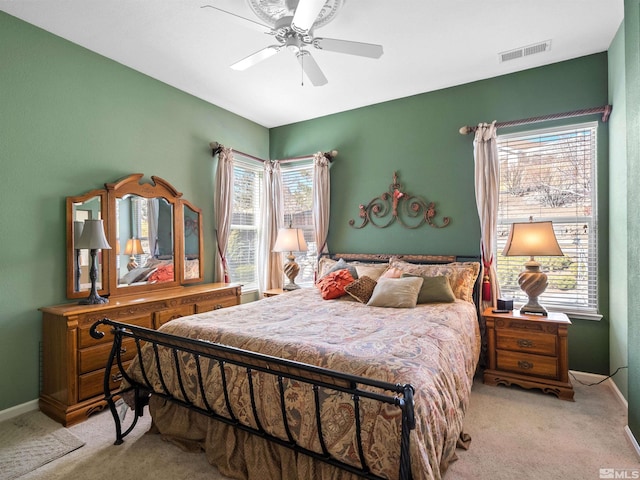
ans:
x=465 y=130
x=331 y=155
x=215 y=148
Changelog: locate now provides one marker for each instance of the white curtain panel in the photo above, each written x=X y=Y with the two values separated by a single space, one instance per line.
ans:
x=270 y=272
x=153 y=210
x=223 y=205
x=321 y=201
x=487 y=183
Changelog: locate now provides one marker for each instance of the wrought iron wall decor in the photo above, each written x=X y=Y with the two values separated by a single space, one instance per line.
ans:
x=409 y=210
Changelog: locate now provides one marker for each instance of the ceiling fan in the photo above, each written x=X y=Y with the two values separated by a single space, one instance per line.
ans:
x=292 y=24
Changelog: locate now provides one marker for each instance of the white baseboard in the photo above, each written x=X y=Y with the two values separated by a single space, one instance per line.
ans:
x=595 y=377
x=18 y=410
x=591 y=378
x=632 y=440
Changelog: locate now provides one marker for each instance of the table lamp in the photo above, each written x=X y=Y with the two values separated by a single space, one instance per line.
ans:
x=133 y=247
x=532 y=239
x=93 y=238
x=290 y=240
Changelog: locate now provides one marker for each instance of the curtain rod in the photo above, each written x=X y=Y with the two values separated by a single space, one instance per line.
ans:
x=216 y=147
x=605 y=110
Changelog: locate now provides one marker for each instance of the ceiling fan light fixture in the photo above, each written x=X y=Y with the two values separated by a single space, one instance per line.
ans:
x=273 y=10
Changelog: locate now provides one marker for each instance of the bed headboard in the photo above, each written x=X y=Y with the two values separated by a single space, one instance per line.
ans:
x=416 y=258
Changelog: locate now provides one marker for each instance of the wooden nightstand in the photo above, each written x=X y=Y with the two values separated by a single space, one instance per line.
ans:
x=529 y=351
x=273 y=292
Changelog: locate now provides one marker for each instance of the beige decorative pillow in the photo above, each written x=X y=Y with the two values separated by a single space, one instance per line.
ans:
x=361 y=289
x=392 y=272
x=462 y=275
x=396 y=292
x=372 y=271
x=324 y=265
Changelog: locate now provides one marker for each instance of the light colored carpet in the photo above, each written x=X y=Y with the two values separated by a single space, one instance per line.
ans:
x=31 y=440
x=517 y=434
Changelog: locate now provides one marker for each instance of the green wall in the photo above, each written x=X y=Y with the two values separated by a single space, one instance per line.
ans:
x=618 y=244
x=632 y=89
x=71 y=120
x=418 y=137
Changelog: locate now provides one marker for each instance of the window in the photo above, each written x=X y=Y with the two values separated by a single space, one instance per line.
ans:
x=297 y=186
x=551 y=175
x=242 y=249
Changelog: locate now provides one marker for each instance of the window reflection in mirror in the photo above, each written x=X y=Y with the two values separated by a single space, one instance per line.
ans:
x=86 y=210
x=192 y=239
x=145 y=243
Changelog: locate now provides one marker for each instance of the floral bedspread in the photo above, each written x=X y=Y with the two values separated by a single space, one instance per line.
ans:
x=434 y=347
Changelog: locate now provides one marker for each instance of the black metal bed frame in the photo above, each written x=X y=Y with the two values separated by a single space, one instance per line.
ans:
x=317 y=377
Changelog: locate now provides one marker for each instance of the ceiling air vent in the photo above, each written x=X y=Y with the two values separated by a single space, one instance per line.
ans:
x=525 y=51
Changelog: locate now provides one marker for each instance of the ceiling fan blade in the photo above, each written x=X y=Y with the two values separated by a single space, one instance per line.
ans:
x=243 y=22
x=257 y=57
x=306 y=14
x=370 y=50
x=311 y=68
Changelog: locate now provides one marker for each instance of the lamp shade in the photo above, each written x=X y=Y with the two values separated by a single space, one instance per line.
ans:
x=290 y=240
x=532 y=239
x=93 y=236
x=133 y=247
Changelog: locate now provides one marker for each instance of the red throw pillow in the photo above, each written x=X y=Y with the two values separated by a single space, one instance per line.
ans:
x=164 y=273
x=332 y=285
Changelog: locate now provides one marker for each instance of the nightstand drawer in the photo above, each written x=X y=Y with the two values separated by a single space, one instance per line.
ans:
x=527 y=364
x=529 y=342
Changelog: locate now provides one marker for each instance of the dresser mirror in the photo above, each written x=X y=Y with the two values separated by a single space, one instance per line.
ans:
x=155 y=238
x=90 y=206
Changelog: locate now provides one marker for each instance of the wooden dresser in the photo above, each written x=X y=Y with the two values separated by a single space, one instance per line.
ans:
x=529 y=351
x=73 y=363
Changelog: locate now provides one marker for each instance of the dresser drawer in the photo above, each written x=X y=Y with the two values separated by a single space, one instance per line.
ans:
x=527 y=364
x=93 y=358
x=529 y=342
x=86 y=340
x=164 y=316
x=222 y=302
x=92 y=384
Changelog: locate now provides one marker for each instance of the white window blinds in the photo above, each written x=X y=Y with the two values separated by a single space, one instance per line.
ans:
x=242 y=249
x=551 y=175
x=297 y=186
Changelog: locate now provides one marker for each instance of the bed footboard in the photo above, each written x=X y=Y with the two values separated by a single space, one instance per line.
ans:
x=357 y=388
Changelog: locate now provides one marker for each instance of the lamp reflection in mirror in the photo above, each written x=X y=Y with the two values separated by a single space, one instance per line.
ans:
x=532 y=239
x=290 y=240
x=93 y=239
x=77 y=233
x=133 y=247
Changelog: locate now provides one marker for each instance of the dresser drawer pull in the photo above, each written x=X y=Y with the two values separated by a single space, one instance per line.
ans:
x=117 y=377
x=525 y=343
x=217 y=307
x=525 y=365
x=123 y=350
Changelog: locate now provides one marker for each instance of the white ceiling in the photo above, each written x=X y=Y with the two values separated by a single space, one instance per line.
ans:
x=428 y=45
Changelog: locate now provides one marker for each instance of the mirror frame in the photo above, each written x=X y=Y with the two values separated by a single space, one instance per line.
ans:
x=133 y=185
x=71 y=257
